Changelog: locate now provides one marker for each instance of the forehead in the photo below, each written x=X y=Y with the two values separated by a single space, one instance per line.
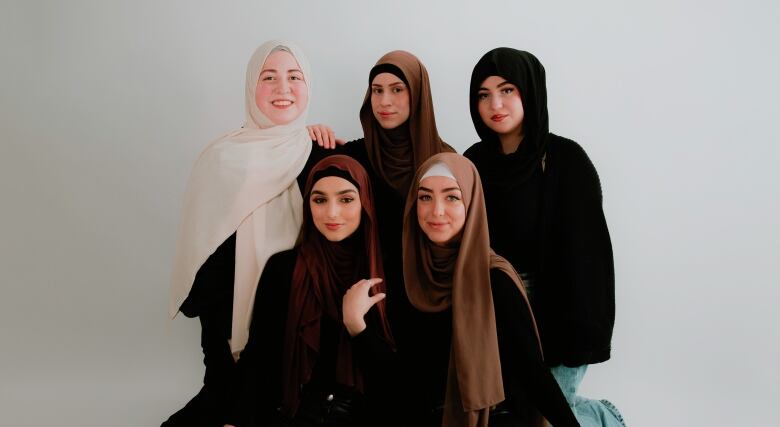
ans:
x=493 y=82
x=439 y=183
x=332 y=184
x=280 y=61
x=385 y=79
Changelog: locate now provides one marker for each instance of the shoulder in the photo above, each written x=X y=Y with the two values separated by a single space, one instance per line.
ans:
x=501 y=283
x=281 y=261
x=566 y=150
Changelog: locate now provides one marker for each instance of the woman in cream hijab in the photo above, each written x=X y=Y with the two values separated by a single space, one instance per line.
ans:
x=243 y=203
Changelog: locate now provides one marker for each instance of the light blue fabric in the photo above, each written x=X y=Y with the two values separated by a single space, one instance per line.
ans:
x=589 y=412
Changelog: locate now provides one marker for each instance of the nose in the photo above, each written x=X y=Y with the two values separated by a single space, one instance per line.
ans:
x=283 y=86
x=438 y=208
x=495 y=102
x=333 y=210
x=385 y=99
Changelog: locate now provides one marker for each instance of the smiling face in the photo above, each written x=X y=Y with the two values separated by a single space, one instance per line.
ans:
x=335 y=207
x=500 y=106
x=441 y=212
x=389 y=100
x=281 y=93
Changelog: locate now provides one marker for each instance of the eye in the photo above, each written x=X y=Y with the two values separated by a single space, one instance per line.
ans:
x=268 y=77
x=508 y=90
x=318 y=200
x=424 y=197
x=296 y=76
x=398 y=89
x=347 y=199
x=482 y=96
x=452 y=198
x=376 y=91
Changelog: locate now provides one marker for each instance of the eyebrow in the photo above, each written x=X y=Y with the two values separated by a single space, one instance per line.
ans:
x=391 y=84
x=443 y=191
x=504 y=83
x=338 y=193
x=272 y=70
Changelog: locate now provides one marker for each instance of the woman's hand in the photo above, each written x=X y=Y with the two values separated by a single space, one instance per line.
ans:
x=324 y=136
x=356 y=304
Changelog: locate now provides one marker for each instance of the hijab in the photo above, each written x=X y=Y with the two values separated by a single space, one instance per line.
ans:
x=456 y=276
x=523 y=70
x=245 y=183
x=323 y=273
x=396 y=153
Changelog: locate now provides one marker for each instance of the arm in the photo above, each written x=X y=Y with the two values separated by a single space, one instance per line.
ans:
x=257 y=387
x=524 y=373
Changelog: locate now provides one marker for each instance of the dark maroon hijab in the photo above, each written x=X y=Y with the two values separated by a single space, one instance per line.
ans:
x=323 y=272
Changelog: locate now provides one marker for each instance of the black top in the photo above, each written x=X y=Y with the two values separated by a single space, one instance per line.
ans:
x=528 y=383
x=259 y=390
x=553 y=226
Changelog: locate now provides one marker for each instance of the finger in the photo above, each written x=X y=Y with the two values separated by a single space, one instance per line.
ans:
x=311 y=133
x=332 y=138
x=340 y=141
x=318 y=133
x=376 y=298
x=369 y=283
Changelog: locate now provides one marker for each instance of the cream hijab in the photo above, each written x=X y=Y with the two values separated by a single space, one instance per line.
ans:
x=244 y=183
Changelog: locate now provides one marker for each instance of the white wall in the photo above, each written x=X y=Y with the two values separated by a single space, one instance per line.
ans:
x=105 y=104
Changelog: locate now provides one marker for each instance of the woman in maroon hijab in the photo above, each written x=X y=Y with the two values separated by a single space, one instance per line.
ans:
x=319 y=334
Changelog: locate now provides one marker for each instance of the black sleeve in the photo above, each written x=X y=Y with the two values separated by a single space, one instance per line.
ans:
x=256 y=391
x=212 y=288
x=592 y=266
x=526 y=378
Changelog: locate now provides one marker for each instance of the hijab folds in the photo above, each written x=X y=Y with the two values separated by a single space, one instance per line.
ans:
x=396 y=153
x=244 y=183
x=523 y=70
x=323 y=272
x=457 y=276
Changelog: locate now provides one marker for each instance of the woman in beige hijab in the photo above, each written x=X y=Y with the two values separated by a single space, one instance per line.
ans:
x=482 y=363
x=243 y=204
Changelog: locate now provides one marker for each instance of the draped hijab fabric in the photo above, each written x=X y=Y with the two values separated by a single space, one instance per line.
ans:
x=396 y=153
x=523 y=70
x=457 y=276
x=245 y=183
x=323 y=272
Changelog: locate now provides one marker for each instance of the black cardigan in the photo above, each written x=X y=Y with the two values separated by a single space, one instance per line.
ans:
x=528 y=383
x=574 y=293
x=258 y=390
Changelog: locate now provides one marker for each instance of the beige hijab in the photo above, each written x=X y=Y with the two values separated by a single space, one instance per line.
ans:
x=458 y=275
x=244 y=183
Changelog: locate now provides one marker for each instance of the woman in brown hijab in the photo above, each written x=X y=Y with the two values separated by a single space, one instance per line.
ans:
x=482 y=365
x=319 y=337
x=400 y=133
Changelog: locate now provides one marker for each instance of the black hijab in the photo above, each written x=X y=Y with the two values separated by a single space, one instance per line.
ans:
x=526 y=72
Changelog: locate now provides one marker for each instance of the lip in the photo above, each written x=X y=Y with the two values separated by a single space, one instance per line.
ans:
x=385 y=114
x=498 y=117
x=275 y=103
x=332 y=225
x=437 y=225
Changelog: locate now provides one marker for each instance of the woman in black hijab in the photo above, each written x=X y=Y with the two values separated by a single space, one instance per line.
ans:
x=544 y=206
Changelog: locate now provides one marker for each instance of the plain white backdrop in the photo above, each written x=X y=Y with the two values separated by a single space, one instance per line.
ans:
x=105 y=104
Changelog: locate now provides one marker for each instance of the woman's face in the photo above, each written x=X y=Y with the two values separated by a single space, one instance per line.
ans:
x=440 y=209
x=335 y=207
x=389 y=100
x=500 y=106
x=281 y=93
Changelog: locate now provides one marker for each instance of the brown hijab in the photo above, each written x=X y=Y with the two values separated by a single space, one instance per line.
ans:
x=458 y=276
x=396 y=153
x=323 y=273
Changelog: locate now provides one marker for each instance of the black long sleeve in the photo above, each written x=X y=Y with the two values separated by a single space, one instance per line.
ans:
x=527 y=381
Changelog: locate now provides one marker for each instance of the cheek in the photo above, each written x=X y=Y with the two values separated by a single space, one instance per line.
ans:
x=301 y=95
